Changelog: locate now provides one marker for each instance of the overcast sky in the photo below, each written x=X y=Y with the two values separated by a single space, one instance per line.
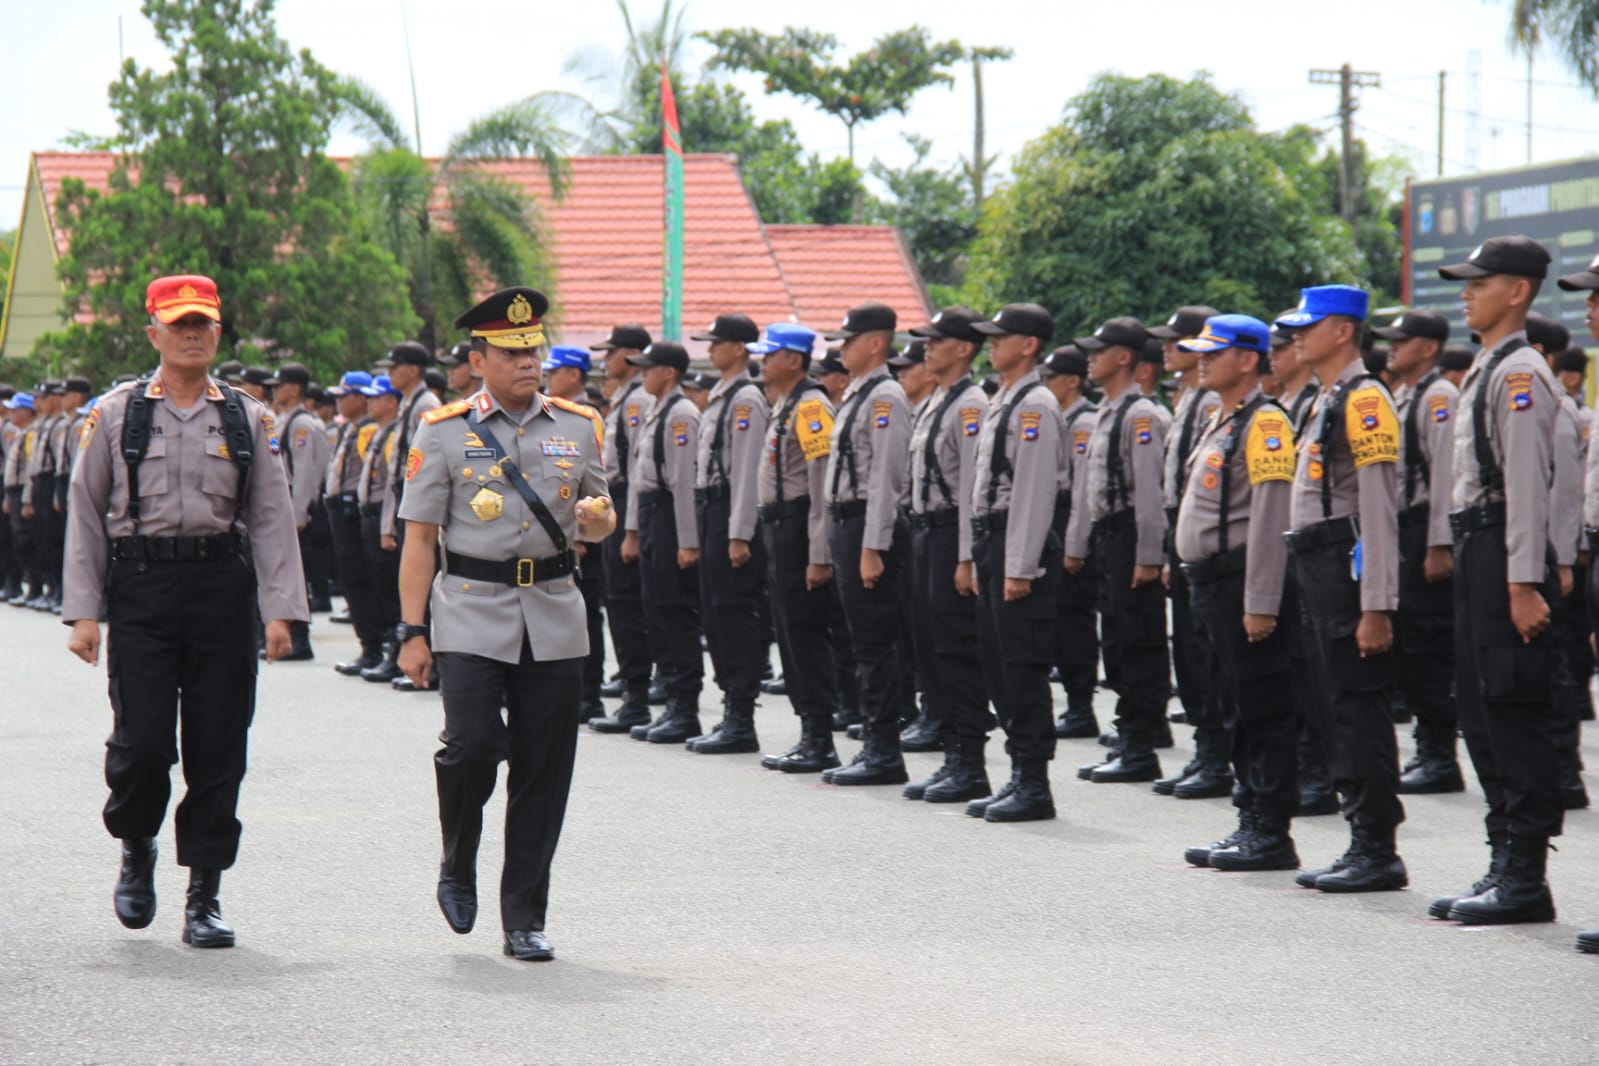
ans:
x=473 y=55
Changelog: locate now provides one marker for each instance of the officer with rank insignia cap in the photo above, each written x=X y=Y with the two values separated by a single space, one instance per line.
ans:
x=732 y=436
x=1228 y=540
x=341 y=496
x=794 y=527
x=1505 y=650
x=1424 y=640
x=624 y=607
x=943 y=580
x=1017 y=558
x=180 y=530
x=1119 y=520
x=504 y=483
x=867 y=475
x=1345 y=545
x=1076 y=620
x=663 y=535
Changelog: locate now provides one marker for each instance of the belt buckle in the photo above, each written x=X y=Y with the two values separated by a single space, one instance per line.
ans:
x=524 y=573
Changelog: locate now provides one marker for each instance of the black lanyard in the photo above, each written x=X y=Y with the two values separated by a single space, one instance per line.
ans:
x=999 y=464
x=1239 y=425
x=1413 y=458
x=718 y=465
x=661 y=414
x=930 y=462
x=1489 y=472
x=1115 y=472
x=783 y=416
x=1327 y=421
x=846 y=440
x=520 y=483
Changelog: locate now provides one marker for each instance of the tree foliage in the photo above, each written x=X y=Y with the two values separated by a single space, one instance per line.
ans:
x=1570 y=26
x=222 y=173
x=1154 y=193
x=935 y=209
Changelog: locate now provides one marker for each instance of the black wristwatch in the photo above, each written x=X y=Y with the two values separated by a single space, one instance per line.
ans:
x=405 y=631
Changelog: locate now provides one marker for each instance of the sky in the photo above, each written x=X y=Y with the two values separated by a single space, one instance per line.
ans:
x=472 y=56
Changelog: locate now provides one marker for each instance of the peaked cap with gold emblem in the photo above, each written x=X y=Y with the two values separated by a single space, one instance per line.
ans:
x=509 y=319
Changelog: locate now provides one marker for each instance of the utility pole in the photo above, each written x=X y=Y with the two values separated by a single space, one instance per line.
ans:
x=1347 y=80
x=1441 y=76
x=1529 y=107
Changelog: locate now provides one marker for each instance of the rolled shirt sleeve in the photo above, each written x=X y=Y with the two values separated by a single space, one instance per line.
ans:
x=1527 y=436
x=1035 y=474
x=888 y=475
x=745 y=446
x=87 y=543
x=1146 y=466
x=274 y=543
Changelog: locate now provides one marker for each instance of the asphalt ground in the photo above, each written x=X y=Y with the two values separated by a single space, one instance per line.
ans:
x=707 y=911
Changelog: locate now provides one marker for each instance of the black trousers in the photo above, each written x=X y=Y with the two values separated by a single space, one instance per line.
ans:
x=23 y=541
x=877 y=623
x=355 y=574
x=1132 y=635
x=1076 y=623
x=1356 y=704
x=316 y=544
x=591 y=582
x=1505 y=688
x=948 y=657
x=385 y=569
x=1200 y=703
x=729 y=599
x=1305 y=686
x=801 y=618
x=535 y=736
x=624 y=605
x=1571 y=695
x=1248 y=680
x=1424 y=634
x=49 y=530
x=1018 y=645
x=10 y=565
x=671 y=597
x=181 y=659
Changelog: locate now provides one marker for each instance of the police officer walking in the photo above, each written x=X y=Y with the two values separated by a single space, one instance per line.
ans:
x=1345 y=545
x=1076 y=620
x=1505 y=650
x=180 y=530
x=504 y=483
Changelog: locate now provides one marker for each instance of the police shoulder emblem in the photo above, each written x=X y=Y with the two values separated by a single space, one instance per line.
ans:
x=741 y=416
x=680 y=433
x=1519 y=387
x=1438 y=408
x=449 y=410
x=1080 y=441
x=1029 y=424
x=413 y=463
x=971 y=420
x=881 y=410
x=1142 y=430
x=1372 y=427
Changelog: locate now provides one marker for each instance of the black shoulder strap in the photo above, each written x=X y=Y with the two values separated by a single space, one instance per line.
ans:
x=241 y=446
x=404 y=447
x=287 y=441
x=664 y=412
x=846 y=438
x=519 y=482
x=1302 y=404
x=378 y=470
x=1185 y=439
x=1115 y=471
x=1240 y=420
x=999 y=464
x=783 y=415
x=930 y=461
x=1489 y=472
x=624 y=447
x=718 y=471
x=1328 y=422
x=136 y=422
x=1413 y=459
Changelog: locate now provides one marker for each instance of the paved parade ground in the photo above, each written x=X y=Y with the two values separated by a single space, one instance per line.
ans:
x=707 y=911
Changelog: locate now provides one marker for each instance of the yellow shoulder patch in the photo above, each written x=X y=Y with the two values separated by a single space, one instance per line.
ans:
x=1269 y=448
x=449 y=410
x=813 y=428
x=587 y=412
x=1372 y=427
x=363 y=439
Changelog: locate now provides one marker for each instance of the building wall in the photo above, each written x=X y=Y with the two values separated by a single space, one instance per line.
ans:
x=33 y=297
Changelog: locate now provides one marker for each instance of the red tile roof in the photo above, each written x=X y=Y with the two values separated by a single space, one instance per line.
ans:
x=608 y=240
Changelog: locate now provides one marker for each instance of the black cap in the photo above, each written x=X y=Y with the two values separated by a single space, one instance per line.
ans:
x=510 y=319
x=701 y=382
x=1545 y=333
x=1184 y=322
x=1587 y=279
x=53 y=387
x=829 y=364
x=1280 y=337
x=1456 y=357
x=78 y=384
x=255 y=375
x=320 y=395
x=1376 y=359
x=954 y=322
x=407 y=353
x=1123 y=332
x=1572 y=359
x=624 y=337
x=459 y=355
x=865 y=318
x=661 y=353
x=915 y=352
x=1026 y=320
x=291 y=374
x=1154 y=351
x=7 y=390
x=1066 y=360
x=1518 y=256
x=740 y=328
x=1428 y=324
x=990 y=385
x=433 y=378
x=228 y=370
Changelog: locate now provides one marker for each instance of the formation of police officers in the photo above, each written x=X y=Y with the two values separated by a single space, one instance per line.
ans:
x=1343 y=541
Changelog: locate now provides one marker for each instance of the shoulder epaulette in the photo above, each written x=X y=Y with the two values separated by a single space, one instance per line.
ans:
x=449 y=410
x=576 y=408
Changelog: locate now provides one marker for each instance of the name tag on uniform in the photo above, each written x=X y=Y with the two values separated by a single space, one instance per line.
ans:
x=480 y=453
x=560 y=446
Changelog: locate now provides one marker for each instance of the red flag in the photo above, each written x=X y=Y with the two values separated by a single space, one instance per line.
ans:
x=671 y=133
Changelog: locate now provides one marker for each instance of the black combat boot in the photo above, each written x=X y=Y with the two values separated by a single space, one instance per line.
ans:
x=968 y=775
x=203 y=926
x=734 y=735
x=813 y=754
x=1588 y=941
x=1085 y=772
x=1435 y=769
x=879 y=763
x=1136 y=762
x=1165 y=786
x=135 y=894
x=1498 y=854
x=1521 y=894
x=1316 y=794
x=977 y=808
x=614 y=689
x=848 y=714
x=917 y=790
x=369 y=658
x=386 y=670
x=1371 y=864
x=1031 y=799
x=299 y=643
x=12 y=587
x=1269 y=847
x=658 y=696
x=1200 y=856
x=589 y=708
x=1078 y=723
x=920 y=735
x=680 y=721
x=633 y=712
x=1213 y=777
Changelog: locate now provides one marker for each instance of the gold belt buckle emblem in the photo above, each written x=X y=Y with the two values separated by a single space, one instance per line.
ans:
x=524 y=573
x=488 y=504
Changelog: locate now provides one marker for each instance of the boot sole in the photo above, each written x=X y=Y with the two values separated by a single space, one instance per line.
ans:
x=1028 y=816
x=956 y=797
x=207 y=942
x=137 y=921
x=1197 y=857
x=1447 y=788
x=1588 y=945
x=1203 y=794
x=1339 y=888
x=892 y=779
x=1220 y=862
x=738 y=749
x=790 y=768
x=1537 y=917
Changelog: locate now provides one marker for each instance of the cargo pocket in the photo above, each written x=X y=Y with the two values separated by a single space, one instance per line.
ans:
x=1517 y=675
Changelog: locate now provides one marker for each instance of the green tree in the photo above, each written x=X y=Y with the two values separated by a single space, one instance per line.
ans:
x=222 y=172
x=934 y=209
x=1153 y=193
x=495 y=229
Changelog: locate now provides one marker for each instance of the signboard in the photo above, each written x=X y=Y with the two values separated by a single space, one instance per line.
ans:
x=1556 y=204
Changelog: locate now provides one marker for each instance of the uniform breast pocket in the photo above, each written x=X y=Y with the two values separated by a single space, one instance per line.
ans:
x=155 y=472
x=218 y=476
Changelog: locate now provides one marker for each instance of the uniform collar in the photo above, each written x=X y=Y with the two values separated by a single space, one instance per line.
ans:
x=1027 y=382
x=1077 y=405
x=727 y=385
x=486 y=405
x=660 y=402
x=1484 y=354
x=155 y=390
x=865 y=382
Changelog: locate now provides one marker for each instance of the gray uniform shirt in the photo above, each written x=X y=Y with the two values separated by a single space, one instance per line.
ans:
x=1521 y=409
x=1432 y=413
x=8 y=438
x=787 y=465
x=1142 y=449
x=305 y=458
x=18 y=445
x=349 y=455
x=1189 y=418
x=41 y=456
x=1032 y=447
x=71 y=438
x=954 y=448
x=417 y=403
x=738 y=411
x=188 y=487
x=1590 y=487
x=376 y=464
x=457 y=487
x=1565 y=506
x=1258 y=478
x=628 y=411
x=679 y=422
x=1077 y=428
x=1370 y=490
x=880 y=438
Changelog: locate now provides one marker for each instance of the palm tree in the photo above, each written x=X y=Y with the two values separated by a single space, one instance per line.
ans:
x=635 y=80
x=494 y=229
x=1570 y=26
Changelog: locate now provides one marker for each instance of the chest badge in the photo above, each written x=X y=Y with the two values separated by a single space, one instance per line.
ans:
x=488 y=505
x=560 y=446
x=566 y=492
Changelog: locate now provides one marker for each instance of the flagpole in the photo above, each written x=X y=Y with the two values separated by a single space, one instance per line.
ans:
x=672 y=267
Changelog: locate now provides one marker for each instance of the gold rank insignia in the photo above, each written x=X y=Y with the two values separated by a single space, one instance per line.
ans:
x=520 y=313
x=566 y=492
x=488 y=505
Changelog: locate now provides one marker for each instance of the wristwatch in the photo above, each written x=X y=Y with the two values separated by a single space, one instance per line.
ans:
x=405 y=631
